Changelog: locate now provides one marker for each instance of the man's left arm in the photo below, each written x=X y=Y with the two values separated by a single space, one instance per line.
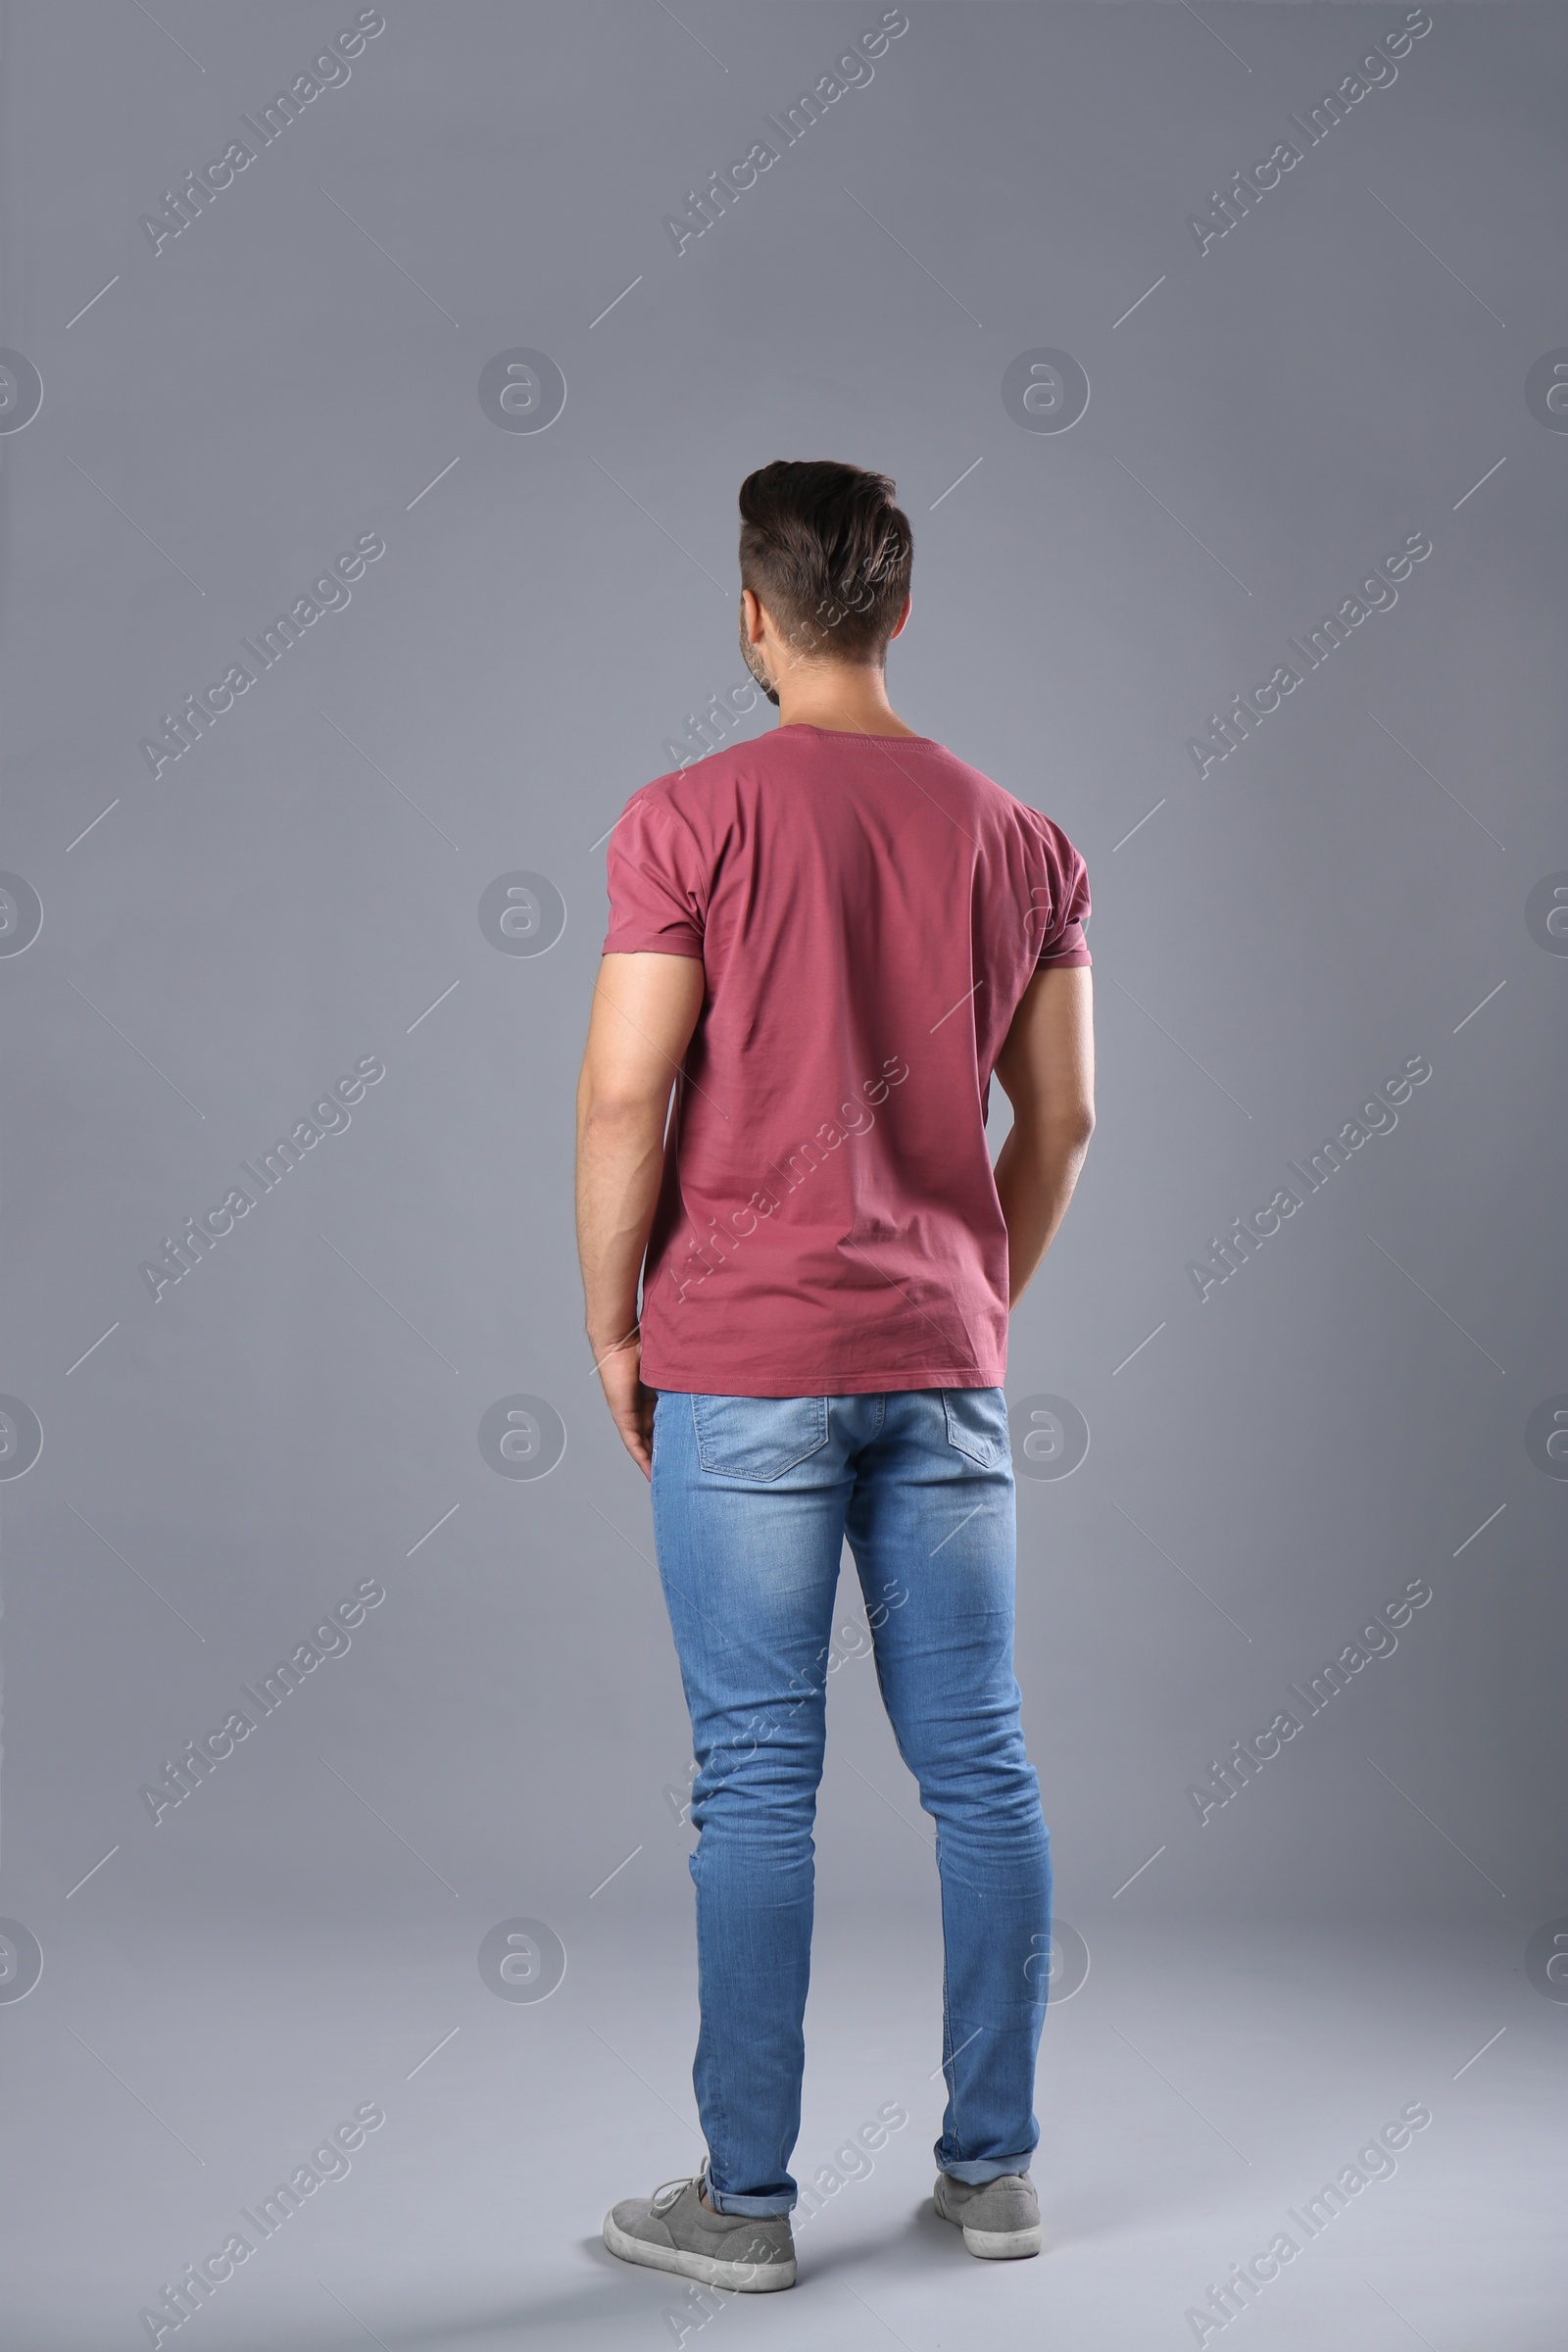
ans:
x=644 y=1009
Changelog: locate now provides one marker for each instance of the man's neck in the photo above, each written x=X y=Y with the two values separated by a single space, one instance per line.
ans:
x=847 y=700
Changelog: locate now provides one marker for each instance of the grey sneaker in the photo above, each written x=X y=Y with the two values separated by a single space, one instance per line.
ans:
x=749 y=2253
x=999 y=2219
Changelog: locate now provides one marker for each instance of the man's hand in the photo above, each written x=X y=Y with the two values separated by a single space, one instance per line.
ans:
x=631 y=1406
x=646 y=1008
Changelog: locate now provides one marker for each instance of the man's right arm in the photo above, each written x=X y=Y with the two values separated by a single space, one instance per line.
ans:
x=1045 y=1068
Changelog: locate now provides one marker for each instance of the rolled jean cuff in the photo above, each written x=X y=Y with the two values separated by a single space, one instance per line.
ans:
x=779 y=2200
x=976 y=2170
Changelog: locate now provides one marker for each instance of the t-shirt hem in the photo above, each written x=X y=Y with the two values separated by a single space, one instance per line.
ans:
x=821 y=1381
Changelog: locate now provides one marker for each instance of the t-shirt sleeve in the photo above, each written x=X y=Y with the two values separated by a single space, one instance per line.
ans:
x=658 y=889
x=1063 y=902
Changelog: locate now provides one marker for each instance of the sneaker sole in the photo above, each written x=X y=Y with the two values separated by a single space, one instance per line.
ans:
x=740 y=2277
x=1003 y=2246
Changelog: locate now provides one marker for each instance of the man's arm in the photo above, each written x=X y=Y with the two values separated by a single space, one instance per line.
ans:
x=644 y=1009
x=1045 y=1068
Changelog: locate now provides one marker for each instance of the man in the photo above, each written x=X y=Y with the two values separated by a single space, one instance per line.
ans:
x=827 y=941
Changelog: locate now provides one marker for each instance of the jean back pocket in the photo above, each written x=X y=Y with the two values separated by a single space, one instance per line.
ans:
x=758 y=1438
x=977 y=1425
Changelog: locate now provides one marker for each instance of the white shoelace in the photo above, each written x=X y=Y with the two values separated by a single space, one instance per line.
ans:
x=670 y=2192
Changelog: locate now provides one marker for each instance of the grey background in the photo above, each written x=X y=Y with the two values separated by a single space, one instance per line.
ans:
x=302 y=887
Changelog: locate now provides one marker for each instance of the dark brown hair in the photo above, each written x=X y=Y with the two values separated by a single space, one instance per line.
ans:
x=827 y=550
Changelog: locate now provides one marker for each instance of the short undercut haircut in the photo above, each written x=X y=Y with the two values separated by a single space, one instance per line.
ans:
x=825 y=548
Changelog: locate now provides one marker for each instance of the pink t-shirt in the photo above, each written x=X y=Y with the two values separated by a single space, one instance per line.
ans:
x=868 y=911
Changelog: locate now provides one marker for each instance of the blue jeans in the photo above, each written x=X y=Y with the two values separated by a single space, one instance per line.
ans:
x=752 y=1497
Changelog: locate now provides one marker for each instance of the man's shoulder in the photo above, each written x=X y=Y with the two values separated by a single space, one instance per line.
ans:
x=1004 y=806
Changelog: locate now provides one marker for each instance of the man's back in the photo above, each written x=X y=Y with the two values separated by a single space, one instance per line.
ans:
x=868 y=910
